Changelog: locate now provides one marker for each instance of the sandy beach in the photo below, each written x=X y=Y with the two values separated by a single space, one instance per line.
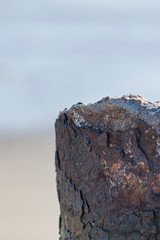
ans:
x=28 y=204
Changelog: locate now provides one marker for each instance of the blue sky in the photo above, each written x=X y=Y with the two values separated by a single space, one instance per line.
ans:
x=56 y=53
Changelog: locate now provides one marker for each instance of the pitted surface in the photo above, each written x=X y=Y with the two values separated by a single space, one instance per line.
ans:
x=108 y=170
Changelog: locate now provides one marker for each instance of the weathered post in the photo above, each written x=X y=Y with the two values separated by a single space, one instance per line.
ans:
x=108 y=170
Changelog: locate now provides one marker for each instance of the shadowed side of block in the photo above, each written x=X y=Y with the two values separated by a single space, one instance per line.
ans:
x=108 y=170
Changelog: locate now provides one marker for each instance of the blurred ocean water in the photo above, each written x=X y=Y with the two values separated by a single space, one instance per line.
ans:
x=56 y=53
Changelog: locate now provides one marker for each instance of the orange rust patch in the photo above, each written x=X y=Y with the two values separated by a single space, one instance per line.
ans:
x=116 y=166
x=106 y=99
x=123 y=98
x=78 y=234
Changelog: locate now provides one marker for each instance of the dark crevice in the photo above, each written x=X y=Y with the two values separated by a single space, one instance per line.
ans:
x=66 y=123
x=57 y=159
x=149 y=161
x=83 y=205
x=71 y=182
x=90 y=149
x=65 y=118
x=108 y=139
x=71 y=125
x=60 y=223
x=156 y=224
x=87 y=205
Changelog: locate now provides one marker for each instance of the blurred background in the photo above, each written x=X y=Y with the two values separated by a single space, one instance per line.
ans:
x=54 y=54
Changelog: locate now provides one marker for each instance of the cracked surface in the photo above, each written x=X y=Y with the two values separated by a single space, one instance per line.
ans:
x=108 y=170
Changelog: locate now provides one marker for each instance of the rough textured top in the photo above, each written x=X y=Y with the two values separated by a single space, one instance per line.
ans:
x=99 y=112
x=108 y=170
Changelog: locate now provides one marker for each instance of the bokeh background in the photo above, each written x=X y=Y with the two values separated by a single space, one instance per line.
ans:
x=54 y=54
